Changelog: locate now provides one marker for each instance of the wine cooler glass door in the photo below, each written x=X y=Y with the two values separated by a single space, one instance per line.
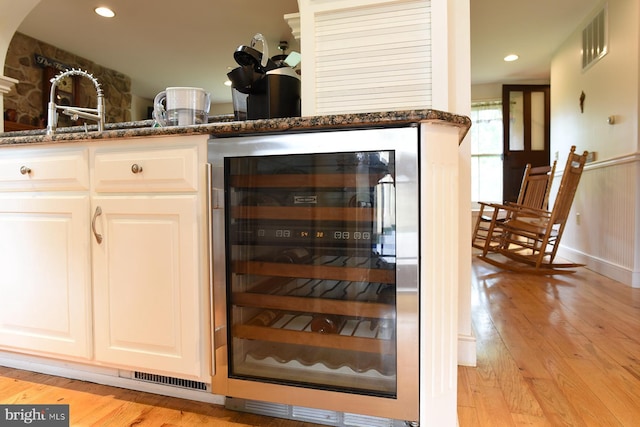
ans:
x=312 y=263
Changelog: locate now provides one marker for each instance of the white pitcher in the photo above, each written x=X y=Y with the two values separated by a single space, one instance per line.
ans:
x=184 y=106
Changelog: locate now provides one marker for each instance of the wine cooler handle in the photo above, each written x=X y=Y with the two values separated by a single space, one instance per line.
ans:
x=97 y=213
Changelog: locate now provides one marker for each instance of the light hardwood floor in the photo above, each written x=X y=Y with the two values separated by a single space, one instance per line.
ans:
x=552 y=351
x=94 y=405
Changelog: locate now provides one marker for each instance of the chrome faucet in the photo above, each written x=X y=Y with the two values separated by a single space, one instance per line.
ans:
x=96 y=114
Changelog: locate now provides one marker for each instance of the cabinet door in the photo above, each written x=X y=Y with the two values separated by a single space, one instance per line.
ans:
x=44 y=274
x=146 y=283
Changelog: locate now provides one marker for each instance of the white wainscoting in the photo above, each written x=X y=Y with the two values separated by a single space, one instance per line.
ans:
x=602 y=231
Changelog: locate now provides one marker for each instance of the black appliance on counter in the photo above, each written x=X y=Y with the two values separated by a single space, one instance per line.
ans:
x=263 y=88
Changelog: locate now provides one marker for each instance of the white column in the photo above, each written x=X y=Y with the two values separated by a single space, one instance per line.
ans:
x=439 y=263
x=452 y=92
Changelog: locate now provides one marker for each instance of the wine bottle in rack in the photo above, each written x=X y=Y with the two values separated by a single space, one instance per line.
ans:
x=293 y=256
x=327 y=323
x=264 y=318
x=257 y=199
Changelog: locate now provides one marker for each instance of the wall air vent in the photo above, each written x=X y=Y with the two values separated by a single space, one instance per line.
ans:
x=595 y=39
x=312 y=415
x=175 y=382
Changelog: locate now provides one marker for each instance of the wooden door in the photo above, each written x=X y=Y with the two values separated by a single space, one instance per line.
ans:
x=526 y=120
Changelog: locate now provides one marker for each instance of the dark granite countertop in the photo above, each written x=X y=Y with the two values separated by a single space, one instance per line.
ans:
x=221 y=126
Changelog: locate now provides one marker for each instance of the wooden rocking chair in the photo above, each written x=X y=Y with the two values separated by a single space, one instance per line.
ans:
x=531 y=237
x=534 y=193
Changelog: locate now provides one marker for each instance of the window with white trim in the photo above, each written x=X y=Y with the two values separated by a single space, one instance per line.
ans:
x=486 y=152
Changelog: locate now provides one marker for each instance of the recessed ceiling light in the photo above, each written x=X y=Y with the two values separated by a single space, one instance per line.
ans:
x=105 y=11
x=510 y=58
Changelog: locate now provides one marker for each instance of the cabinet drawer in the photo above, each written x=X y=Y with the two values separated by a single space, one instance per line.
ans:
x=165 y=170
x=43 y=170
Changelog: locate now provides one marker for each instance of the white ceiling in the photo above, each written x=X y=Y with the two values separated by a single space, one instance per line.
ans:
x=160 y=43
x=532 y=29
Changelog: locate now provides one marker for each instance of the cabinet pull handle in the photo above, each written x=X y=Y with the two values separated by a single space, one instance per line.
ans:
x=24 y=170
x=97 y=213
x=136 y=168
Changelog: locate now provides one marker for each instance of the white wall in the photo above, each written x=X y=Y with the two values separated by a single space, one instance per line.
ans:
x=139 y=107
x=220 y=109
x=605 y=219
x=610 y=86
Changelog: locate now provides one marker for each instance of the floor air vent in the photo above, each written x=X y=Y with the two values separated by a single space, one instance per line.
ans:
x=175 y=382
x=317 y=416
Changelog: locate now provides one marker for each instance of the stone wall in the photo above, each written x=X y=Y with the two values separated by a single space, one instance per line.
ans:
x=26 y=98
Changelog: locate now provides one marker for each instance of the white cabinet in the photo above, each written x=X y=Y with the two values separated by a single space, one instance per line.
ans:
x=45 y=276
x=104 y=253
x=146 y=283
x=147 y=263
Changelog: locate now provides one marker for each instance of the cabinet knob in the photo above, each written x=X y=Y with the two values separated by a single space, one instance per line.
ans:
x=24 y=170
x=136 y=168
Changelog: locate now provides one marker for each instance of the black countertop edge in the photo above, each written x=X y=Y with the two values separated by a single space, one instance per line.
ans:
x=226 y=126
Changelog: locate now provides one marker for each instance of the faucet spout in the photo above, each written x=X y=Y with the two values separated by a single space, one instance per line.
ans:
x=96 y=114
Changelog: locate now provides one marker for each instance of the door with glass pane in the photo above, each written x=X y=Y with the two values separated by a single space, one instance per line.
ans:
x=526 y=113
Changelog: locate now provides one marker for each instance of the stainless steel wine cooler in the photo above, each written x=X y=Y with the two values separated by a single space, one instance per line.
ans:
x=315 y=269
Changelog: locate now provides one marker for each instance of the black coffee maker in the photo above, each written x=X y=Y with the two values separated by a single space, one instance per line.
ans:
x=262 y=88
